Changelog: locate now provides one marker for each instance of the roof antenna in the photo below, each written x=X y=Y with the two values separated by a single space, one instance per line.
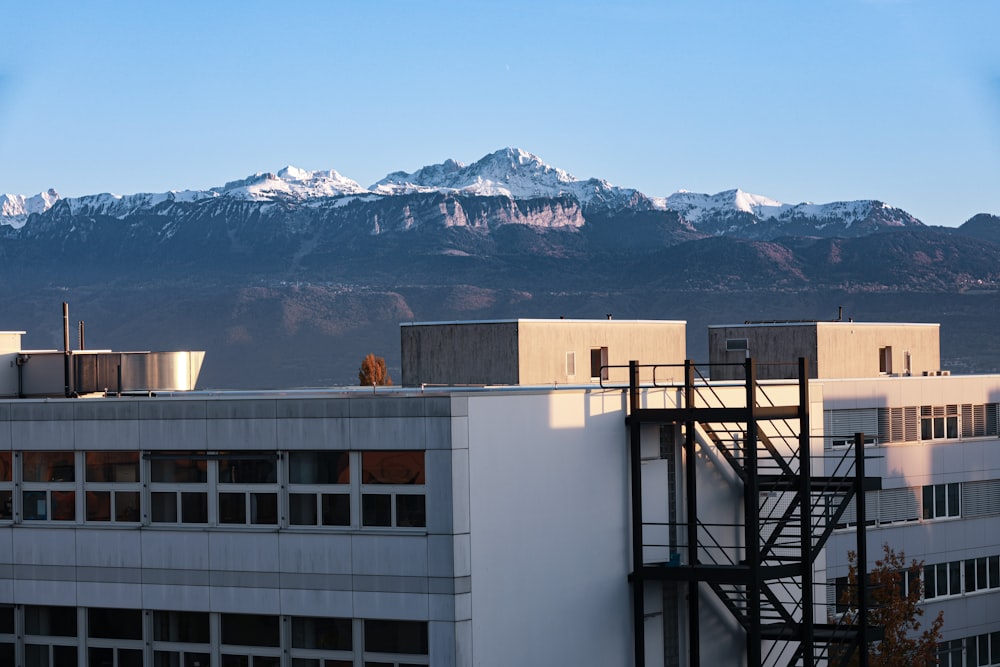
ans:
x=840 y=313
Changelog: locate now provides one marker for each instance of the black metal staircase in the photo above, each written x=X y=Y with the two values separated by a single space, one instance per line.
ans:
x=765 y=581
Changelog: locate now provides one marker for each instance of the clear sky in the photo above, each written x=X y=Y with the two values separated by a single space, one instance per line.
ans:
x=797 y=100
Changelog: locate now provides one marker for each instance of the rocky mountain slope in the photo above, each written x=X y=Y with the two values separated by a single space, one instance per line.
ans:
x=284 y=276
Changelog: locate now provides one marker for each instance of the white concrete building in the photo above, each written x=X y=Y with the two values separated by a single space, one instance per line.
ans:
x=475 y=526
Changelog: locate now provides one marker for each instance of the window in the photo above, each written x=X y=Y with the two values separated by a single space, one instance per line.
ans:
x=949 y=654
x=49 y=636
x=250 y=640
x=181 y=639
x=599 y=363
x=178 y=487
x=6 y=486
x=885 y=360
x=49 y=492
x=113 y=489
x=571 y=364
x=942 y=579
x=942 y=501
x=319 y=491
x=248 y=488
x=114 y=637
x=8 y=639
x=938 y=422
x=737 y=345
x=321 y=642
x=982 y=573
x=392 y=489
x=984 y=650
x=395 y=643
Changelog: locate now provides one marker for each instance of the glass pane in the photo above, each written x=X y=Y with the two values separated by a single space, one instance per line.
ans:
x=34 y=506
x=64 y=505
x=930 y=590
x=396 y=637
x=940 y=501
x=127 y=506
x=928 y=502
x=926 y=429
x=5 y=467
x=954 y=490
x=232 y=508
x=194 y=507
x=266 y=661
x=166 y=659
x=336 y=509
x=326 y=467
x=942 y=579
x=994 y=570
x=248 y=470
x=163 y=507
x=235 y=660
x=64 y=656
x=112 y=466
x=114 y=623
x=392 y=467
x=264 y=508
x=196 y=660
x=981 y=580
x=100 y=657
x=51 y=621
x=995 y=647
x=181 y=470
x=410 y=510
x=984 y=649
x=302 y=509
x=305 y=662
x=36 y=656
x=952 y=427
x=129 y=657
x=180 y=626
x=250 y=630
x=6 y=654
x=376 y=509
x=48 y=467
x=939 y=427
x=955 y=574
x=970 y=575
x=326 y=633
x=6 y=619
x=98 y=505
x=6 y=505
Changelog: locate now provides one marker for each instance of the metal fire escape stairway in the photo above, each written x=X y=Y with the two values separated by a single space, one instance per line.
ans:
x=766 y=582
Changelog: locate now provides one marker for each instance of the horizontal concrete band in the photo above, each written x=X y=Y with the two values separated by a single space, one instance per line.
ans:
x=236 y=579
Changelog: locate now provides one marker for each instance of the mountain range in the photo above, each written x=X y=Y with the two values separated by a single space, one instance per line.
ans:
x=283 y=268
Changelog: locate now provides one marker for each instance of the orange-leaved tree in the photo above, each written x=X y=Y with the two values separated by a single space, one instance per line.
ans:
x=894 y=592
x=373 y=372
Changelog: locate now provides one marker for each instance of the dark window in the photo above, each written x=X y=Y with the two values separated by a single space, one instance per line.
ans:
x=410 y=510
x=396 y=467
x=114 y=623
x=327 y=467
x=396 y=637
x=51 y=621
x=112 y=466
x=376 y=509
x=181 y=626
x=180 y=470
x=250 y=630
x=336 y=509
x=6 y=619
x=323 y=633
x=598 y=363
x=248 y=468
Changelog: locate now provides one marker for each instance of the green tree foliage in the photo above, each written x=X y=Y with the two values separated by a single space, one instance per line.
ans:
x=373 y=372
x=895 y=608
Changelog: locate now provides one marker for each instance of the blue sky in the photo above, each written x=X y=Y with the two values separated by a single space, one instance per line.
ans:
x=800 y=101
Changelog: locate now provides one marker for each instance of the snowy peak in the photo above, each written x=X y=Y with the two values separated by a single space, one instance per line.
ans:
x=738 y=213
x=15 y=209
x=512 y=173
x=290 y=183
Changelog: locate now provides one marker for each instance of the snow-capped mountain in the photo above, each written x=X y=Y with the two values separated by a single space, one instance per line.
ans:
x=738 y=213
x=511 y=173
x=491 y=192
x=15 y=209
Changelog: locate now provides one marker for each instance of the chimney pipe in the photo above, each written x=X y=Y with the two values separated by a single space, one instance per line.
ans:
x=840 y=313
x=80 y=342
x=66 y=346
